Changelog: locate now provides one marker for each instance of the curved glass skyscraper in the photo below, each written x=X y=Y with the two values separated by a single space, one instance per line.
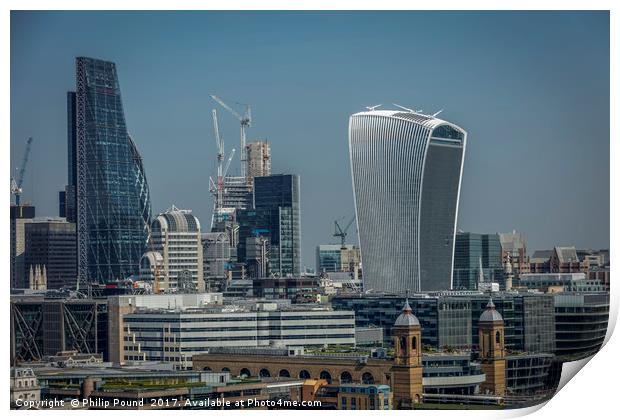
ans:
x=112 y=195
x=406 y=169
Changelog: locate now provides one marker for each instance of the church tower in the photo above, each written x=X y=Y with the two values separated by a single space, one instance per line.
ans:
x=492 y=351
x=407 y=368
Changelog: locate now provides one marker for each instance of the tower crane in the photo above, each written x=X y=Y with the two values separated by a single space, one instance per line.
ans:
x=16 y=186
x=342 y=233
x=216 y=187
x=245 y=120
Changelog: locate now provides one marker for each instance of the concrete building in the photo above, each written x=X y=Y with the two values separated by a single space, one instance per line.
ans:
x=216 y=259
x=406 y=169
x=340 y=264
x=152 y=271
x=51 y=244
x=20 y=216
x=177 y=335
x=236 y=193
x=175 y=234
x=349 y=396
x=258 y=159
x=560 y=282
x=24 y=387
x=514 y=249
x=119 y=306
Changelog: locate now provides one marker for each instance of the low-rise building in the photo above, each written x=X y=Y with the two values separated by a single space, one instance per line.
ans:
x=580 y=324
x=560 y=282
x=176 y=335
x=24 y=386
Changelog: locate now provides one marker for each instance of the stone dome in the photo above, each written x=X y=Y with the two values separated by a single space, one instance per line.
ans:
x=406 y=318
x=490 y=314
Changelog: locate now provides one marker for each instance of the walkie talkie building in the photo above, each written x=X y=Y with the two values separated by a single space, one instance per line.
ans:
x=406 y=169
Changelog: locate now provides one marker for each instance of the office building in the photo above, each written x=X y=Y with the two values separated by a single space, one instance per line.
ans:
x=278 y=198
x=297 y=290
x=451 y=320
x=560 y=282
x=20 y=216
x=51 y=245
x=216 y=259
x=153 y=271
x=477 y=259
x=257 y=256
x=70 y=192
x=119 y=306
x=581 y=321
x=338 y=259
x=112 y=195
x=236 y=193
x=175 y=234
x=43 y=326
x=176 y=335
x=258 y=159
x=406 y=170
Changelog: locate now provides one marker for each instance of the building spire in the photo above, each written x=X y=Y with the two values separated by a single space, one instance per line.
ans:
x=407 y=309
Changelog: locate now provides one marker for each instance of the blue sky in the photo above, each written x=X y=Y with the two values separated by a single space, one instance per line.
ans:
x=531 y=89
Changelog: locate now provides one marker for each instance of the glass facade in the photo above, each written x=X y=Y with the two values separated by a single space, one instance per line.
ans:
x=452 y=321
x=113 y=204
x=277 y=197
x=406 y=170
x=581 y=324
x=472 y=249
x=51 y=244
x=328 y=258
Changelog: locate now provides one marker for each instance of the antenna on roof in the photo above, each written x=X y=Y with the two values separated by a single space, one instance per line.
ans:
x=402 y=107
x=438 y=112
x=372 y=108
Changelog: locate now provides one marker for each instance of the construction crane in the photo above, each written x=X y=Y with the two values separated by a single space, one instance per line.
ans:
x=216 y=187
x=16 y=186
x=245 y=120
x=342 y=233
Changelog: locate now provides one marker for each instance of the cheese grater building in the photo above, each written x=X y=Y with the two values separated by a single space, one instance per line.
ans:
x=406 y=169
x=112 y=203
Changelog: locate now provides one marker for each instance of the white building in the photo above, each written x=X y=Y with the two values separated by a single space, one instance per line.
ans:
x=176 y=335
x=175 y=235
x=406 y=168
x=24 y=385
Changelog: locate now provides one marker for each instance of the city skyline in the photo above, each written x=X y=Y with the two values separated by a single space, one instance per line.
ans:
x=567 y=171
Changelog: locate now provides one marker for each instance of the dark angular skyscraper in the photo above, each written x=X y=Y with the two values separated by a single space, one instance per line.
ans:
x=277 y=198
x=113 y=207
x=473 y=252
